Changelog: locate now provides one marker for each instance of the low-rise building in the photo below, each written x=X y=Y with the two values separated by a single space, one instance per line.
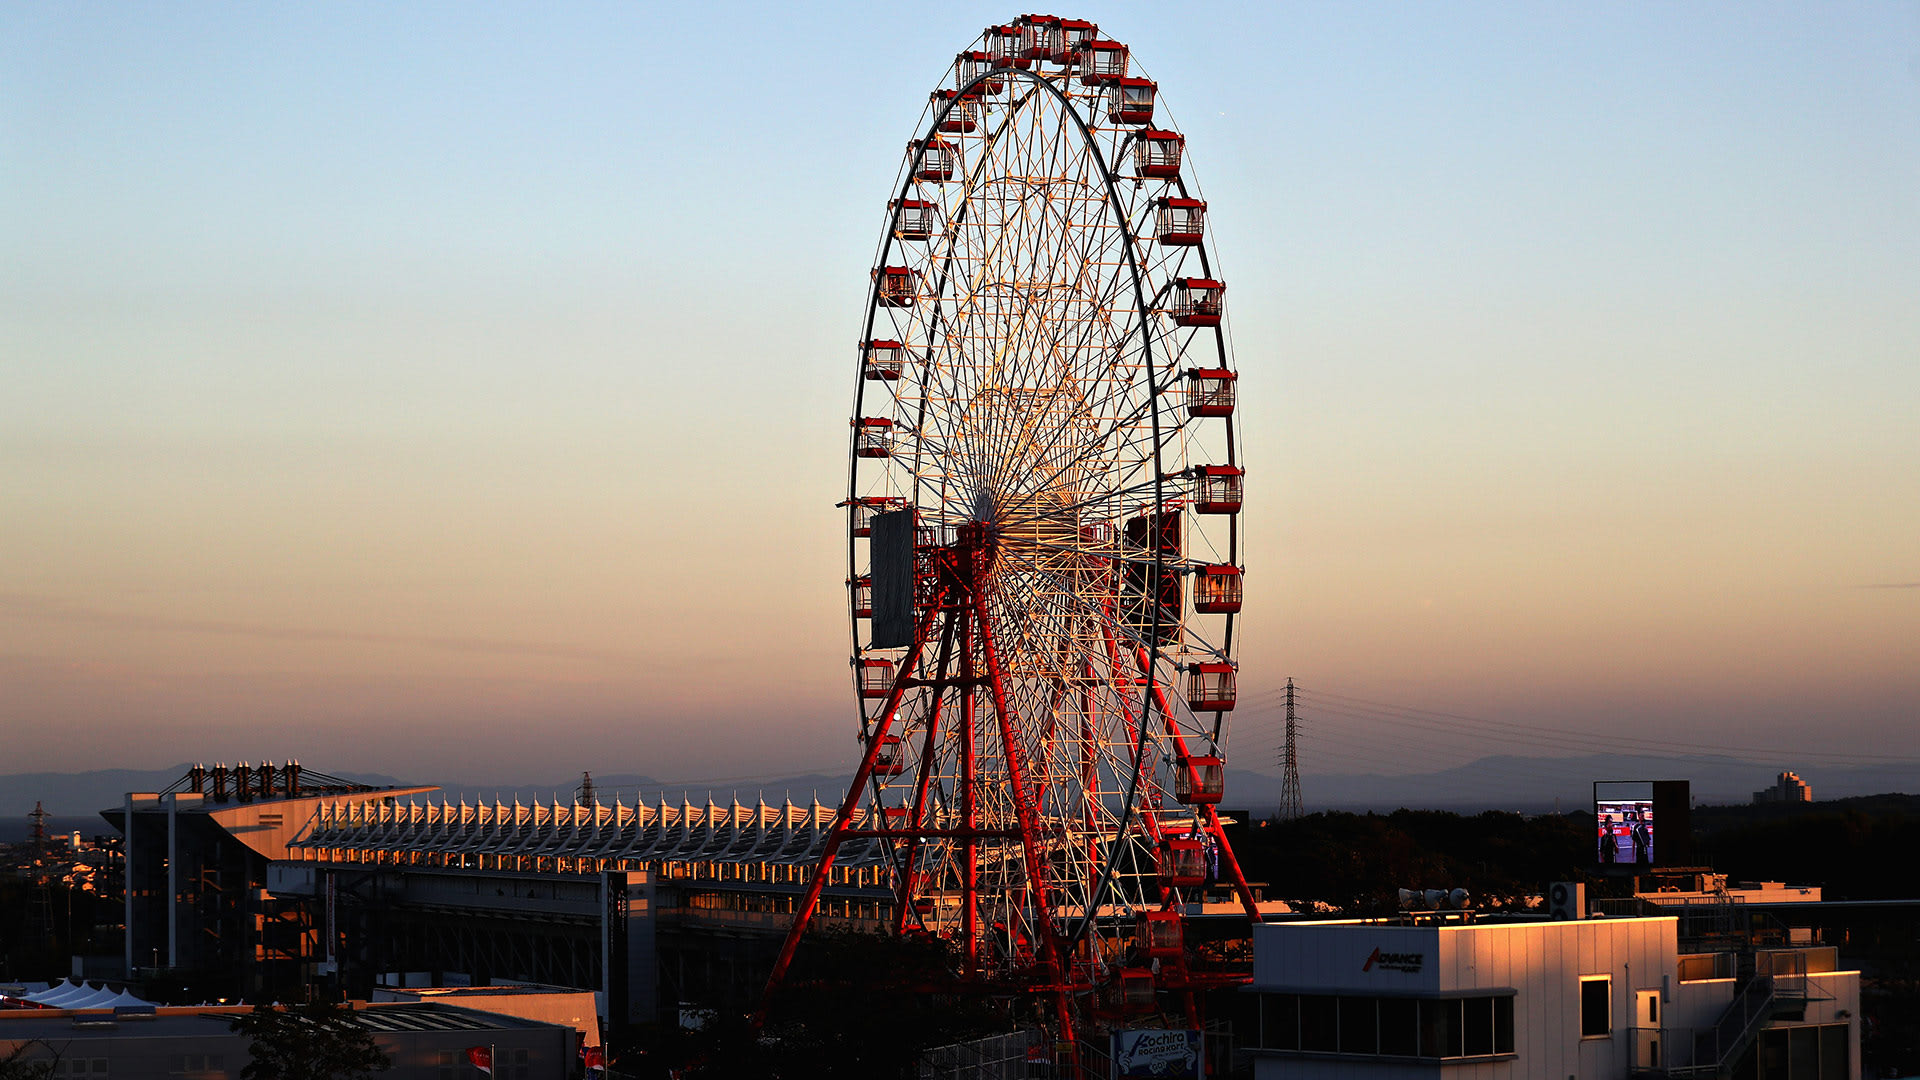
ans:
x=576 y=1009
x=1584 y=999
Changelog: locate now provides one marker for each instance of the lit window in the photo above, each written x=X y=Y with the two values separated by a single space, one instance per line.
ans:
x=1596 y=1006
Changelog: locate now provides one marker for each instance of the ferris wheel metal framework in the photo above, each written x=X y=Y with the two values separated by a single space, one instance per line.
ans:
x=1043 y=535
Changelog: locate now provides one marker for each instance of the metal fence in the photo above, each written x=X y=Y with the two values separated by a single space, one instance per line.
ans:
x=996 y=1057
x=1029 y=1055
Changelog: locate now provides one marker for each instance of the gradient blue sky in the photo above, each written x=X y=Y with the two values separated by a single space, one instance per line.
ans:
x=459 y=391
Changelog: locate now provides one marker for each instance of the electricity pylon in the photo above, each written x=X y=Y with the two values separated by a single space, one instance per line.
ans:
x=1290 y=790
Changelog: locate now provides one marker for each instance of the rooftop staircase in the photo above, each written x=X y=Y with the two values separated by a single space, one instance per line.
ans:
x=1713 y=1052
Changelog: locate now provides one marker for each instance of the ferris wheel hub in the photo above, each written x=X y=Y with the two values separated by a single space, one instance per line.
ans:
x=985 y=506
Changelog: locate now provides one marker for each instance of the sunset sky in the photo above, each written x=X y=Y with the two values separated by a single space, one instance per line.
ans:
x=460 y=392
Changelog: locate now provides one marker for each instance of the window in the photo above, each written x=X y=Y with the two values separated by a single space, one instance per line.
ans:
x=1398 y=1027
x=1833 y=1052
x=1359 y=1027
x=1319 y=1023
x=1814 y=1051
x=1280 y=1021
x=1596 y=1006
x=1503 y=1025
x=1476 y=1027
x=1803 y=1052
x=1440 y=1028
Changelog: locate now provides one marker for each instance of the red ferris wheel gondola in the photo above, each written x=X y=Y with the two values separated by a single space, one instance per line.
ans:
x=1130 y=101
x=1157 y=153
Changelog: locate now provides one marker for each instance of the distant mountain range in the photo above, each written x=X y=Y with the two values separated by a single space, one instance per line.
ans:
x=1527 y=784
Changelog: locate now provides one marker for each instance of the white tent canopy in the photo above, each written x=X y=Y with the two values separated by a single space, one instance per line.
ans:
x=60 y=992
x=98 y=999
x=68 y=995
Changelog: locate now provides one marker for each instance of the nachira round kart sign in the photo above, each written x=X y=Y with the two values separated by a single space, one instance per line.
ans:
x=1161 y=1054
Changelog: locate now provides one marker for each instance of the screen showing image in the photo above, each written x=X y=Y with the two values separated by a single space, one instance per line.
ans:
x=1623 y=812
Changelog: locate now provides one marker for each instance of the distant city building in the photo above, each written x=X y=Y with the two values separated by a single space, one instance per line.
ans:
x=1788 y=788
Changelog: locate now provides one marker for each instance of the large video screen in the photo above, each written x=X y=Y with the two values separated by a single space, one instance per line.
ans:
x=1623 y=810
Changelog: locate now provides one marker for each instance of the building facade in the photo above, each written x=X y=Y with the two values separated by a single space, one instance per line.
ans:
x=196 y=863
x=1507 y=1000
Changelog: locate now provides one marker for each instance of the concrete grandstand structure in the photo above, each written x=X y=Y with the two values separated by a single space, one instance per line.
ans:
x=284 y=881
x=277 y=888
x=759 y=843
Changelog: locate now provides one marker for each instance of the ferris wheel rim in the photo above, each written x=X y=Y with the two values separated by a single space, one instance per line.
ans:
x=1144 y=329
x=1149 y=378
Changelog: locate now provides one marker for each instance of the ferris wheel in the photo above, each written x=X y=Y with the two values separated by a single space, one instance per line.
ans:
x=1043 y=542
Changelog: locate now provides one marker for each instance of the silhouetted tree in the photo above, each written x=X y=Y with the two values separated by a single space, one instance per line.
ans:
x=15 y=1065
x=853 y=1005
x=309 y=1042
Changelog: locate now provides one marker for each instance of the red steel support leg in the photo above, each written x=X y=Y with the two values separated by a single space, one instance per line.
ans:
x=1029 y=826
x=904 y=897
x=1213 y=816
x=1090 y=779
x=1116 y=665
x=1233 y=865
x=844 y=818
x=969 y=805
